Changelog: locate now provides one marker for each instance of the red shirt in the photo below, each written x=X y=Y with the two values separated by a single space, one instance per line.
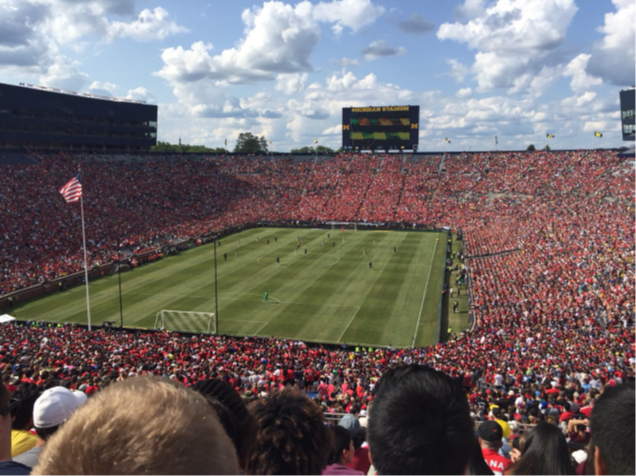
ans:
x=361 y=460
x=497 y=463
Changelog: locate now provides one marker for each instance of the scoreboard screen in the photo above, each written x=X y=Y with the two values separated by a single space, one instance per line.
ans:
x=628 y=113
x=380 y=128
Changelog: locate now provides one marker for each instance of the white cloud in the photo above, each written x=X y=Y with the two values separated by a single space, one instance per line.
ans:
x=149 y=25
x=463 y=93
x=279 y=38
x=513 y=39
x=354 y=14
x=468 y=10
x=34 y=33
x=381 y=49
x=581 y=81
x=140 y=94
x=291 y=83
x=102 y=88
x=63 y=74
x=458 y=71
x=613 y=59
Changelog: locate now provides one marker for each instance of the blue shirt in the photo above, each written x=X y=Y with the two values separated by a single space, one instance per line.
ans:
x=11 y=468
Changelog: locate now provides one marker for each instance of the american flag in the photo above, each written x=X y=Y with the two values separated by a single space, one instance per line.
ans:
x=72 y=191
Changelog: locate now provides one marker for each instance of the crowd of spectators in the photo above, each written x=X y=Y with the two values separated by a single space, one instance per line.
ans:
x=548 y=244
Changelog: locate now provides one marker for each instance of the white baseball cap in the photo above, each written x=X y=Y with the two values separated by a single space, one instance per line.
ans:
x=55 y=406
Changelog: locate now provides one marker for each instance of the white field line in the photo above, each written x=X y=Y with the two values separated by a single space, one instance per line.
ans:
x=350 y=321
x=419 y=317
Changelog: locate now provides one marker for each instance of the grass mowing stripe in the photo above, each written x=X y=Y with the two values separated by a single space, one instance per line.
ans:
x=419 y=317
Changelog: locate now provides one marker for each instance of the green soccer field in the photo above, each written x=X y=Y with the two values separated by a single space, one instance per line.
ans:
x=328 y=295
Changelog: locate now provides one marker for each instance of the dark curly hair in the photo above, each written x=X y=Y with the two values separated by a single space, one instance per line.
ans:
x=292 y=438
x=237 y=421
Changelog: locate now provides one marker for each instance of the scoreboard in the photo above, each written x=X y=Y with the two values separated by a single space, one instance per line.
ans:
x=628 y=113
x=380 y=128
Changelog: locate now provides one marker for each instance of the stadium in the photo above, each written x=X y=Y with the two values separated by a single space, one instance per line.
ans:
x=441 y=307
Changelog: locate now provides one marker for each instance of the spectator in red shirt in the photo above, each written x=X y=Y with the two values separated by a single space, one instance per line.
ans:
x=491 y=440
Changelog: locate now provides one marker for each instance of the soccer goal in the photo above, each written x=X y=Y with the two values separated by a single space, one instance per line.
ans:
x=186 y=321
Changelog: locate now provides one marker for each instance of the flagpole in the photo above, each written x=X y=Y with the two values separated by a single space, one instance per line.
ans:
x=88 y=304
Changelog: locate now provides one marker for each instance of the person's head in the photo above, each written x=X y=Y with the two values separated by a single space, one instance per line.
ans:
x=292 y=436
x=53 y=408
x=21 y=404
x=143 y=425
x=612 y=432
x=342 y=449
x=419 y=423
x=238 y=422
x=544 y=452
x=490 y=435
x=351 y=424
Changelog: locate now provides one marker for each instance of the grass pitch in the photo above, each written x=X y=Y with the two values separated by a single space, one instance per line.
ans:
x=327 y=295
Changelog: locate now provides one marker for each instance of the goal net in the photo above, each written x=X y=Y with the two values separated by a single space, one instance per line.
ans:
x=186 y=321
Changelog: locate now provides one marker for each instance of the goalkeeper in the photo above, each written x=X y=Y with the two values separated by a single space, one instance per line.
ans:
x=265 y=297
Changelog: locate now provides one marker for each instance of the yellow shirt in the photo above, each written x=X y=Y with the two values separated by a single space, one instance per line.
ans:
x=505 y=427
x=21 y=441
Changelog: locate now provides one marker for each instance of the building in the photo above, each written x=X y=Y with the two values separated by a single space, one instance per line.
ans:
x=34 y=117
x=627 y=113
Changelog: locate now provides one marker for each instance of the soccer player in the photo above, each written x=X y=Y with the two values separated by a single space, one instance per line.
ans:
x=268 y=242
x=328 y=236
x=395 y=249
x=305 y=250
x=334 y=244
x=364 y=252
x=278 y=260
x=265 y=297
x=236 y=254
x=370 y=264
x=343 y=240
x=373 y=242
x=275 y=239
x=323 y=242
x=257 y=239
x=224 y=256
x=455 y=305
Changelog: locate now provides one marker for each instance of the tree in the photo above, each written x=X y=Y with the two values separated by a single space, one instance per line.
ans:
x=530 y=148
x=319 y=150
x=547 y=148
x=248 y=143
x=181 y=148
x=304 y=150
x=322 y=150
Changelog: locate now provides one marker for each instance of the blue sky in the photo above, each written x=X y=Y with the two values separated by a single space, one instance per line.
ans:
x=516 y=69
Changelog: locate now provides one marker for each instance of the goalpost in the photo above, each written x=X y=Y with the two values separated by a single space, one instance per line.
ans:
x=187 y=321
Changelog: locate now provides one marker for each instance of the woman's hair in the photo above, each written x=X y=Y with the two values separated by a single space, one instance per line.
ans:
x=476 y=463
x=237 y=421
x=292 y=436
x=545 y=452
x=341 y=442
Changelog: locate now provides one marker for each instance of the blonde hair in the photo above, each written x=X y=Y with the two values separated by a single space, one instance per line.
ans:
x=143 y=425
